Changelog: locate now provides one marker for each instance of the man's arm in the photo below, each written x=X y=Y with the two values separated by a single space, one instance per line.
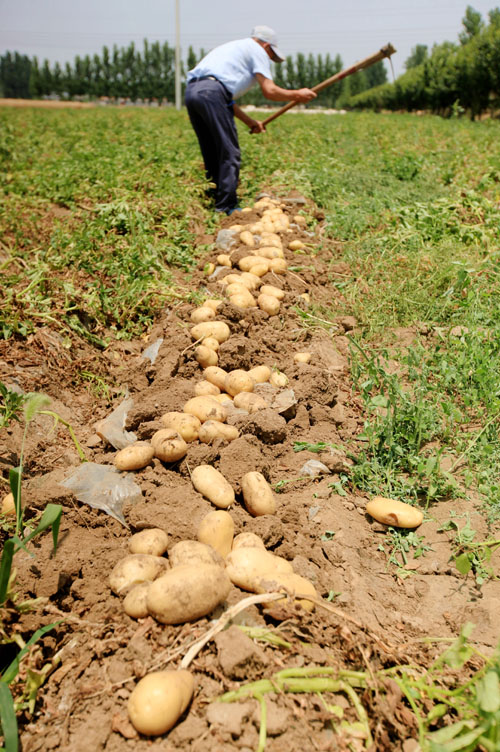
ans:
x=256 y=126
x=277 y=94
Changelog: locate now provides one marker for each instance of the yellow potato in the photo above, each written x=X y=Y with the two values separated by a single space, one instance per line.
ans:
x=193 y=552
x=237 y=288
x=204 y=388
x=215 y=375
x=135 y=602
x=259 y=270
x=250 y=402
x=212 y=484
x=302 y=357
x=278 y=379
x=204 y=313
x=158 y=701
x=247 y=238
x=257 y=494
x=251 y=280
x=237 y=228
x=290 y=583
x=208 y=269
x=186 y=426
x=269 y=304
x=217 y=530
x=238 y=381
x=235 y=279
x=243 y=301
x=282 y=221
x=187 y=592
x=205 y=356
x=260 y=374
x=278 y=266
x=211 y=343
x=135 y=456
x=217 y=329
x=133 y=569
x=393 y=512
x=224 y=260
x=247 y=540
x=169 y=445
x=8 y=504
x=300 y=220
x=206 y=408
x=296 y=245
x=153 y=541
x=223 y=398
x=275 y=292
x=246 y=566
x=270 y=252
x=255 y=228
x=305 y=297
x=270 y=239
x=248 y=262
x=212 y=303
x=214 y=429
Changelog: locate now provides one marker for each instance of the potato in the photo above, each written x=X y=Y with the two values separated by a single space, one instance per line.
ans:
x=8 y=504
x=192 y=552
x=277 y=378
x=224 y=260
x=247 y=238
x=204 y=388
x=208 y=269
x=135 y=603
x=169 y=445
x=302 y=357
x=238 y=381
x=217 y=530
x=242 y=301
x=257 y=494
x=187 y=593
x=288 y=582
x=237 y=288
x=214 y=429
x=247 y=540
x=275 y=292
x=259 y=269
x=296 y=245
x=269 y=304
x=247 y=262
x=250 y=402
x=215 y=375
x=305 y=297
x=393 y=512
x=278 y=266
x=186 y=426
x=204 y=313
x=211 y=343
x=237 y=227
x=260 y=374
x=135 y=456
x=206 y=408
x=251 y=280
x=205 y=356
x=153 y=541
x=217 y=329
x=246 y=565
x=133 y=569
x=212 y=484
x=158 y=701
x=212 y=303
x=270 y=239
x=299 y=219
x=235 y=279
x=270 y=252
x=223 y=398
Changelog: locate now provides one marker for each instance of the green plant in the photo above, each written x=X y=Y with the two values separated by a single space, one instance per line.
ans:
x=399 y=543
x=11 y=403
x=469 y=555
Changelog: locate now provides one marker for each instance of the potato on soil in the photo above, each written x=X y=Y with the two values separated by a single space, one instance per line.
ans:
x=260 y=374
x=242 y=301
x=247 y=540
x=238 y=381
x=8 y=504
x=215 y=375
x=205 y=356
x=206 y=408
x=278 y=378
x=248 y=262
x=214 y=429
x=246 y=566
x=212 y=303
x=158 y=701
x=153 y=542
x=224 y=260
x=302 y=357
x=278 y=266
x=259 y=270
x=250 y=402
x=269 y=304
x=305 y=297
x=169 y=446
x=237 y=288
x=187 y=593
x=290 y=583
x=251 y=279
x=270 y=252
x=247 y=238
x=393 y=512
x=133 y=569
x=275 y=292
x=217 y=530
x=235 y=279
x=186 y=426
x=257 y=494
x=204 y=313
x=270 y=239
x=205 y=388
x=217 y=329
x=299 y=219
x=211 y=343
x=212 y=484
x=135 y=603
x=223 y=398
x=194 y=552
x=134 y=457
x=208 y=269
x=296 y=245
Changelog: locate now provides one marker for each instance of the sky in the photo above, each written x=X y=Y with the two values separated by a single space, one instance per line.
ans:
x=61 y=29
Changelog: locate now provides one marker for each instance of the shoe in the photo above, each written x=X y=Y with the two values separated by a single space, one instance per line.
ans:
x=235 y=209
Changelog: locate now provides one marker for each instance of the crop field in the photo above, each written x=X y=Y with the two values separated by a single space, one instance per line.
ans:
x=389 y=230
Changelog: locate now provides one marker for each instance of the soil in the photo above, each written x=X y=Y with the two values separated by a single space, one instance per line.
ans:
x=375 y=615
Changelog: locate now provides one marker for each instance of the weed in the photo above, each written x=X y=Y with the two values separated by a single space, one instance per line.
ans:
x=399 y=543
x=469 y=555
x=11 y=403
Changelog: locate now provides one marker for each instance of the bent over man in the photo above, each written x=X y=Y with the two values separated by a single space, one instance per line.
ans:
x=225 y=74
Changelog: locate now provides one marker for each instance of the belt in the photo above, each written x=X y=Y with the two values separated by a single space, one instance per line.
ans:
x=203 y=78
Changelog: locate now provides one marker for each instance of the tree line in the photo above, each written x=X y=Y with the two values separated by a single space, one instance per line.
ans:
x=149 y=74
x=453 y=78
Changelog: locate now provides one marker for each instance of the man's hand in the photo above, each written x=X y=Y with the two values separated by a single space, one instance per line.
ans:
x=257 y=126
x=304 y=95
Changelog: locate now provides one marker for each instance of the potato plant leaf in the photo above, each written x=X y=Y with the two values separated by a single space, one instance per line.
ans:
x=8 y=719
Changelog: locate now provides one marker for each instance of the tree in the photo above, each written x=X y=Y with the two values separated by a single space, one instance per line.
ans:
x=473 y=24
x=376 y=75
x=494 y=17
x=417 y=56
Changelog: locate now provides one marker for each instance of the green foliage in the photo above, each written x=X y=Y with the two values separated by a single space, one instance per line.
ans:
x=11 y=403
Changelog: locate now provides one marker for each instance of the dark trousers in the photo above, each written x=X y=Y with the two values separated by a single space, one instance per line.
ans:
x=210 y=109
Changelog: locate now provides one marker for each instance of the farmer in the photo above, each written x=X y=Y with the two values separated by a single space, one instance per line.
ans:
x=225 y=74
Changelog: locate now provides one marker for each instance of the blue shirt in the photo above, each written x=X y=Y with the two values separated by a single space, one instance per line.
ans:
x=235 y=64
